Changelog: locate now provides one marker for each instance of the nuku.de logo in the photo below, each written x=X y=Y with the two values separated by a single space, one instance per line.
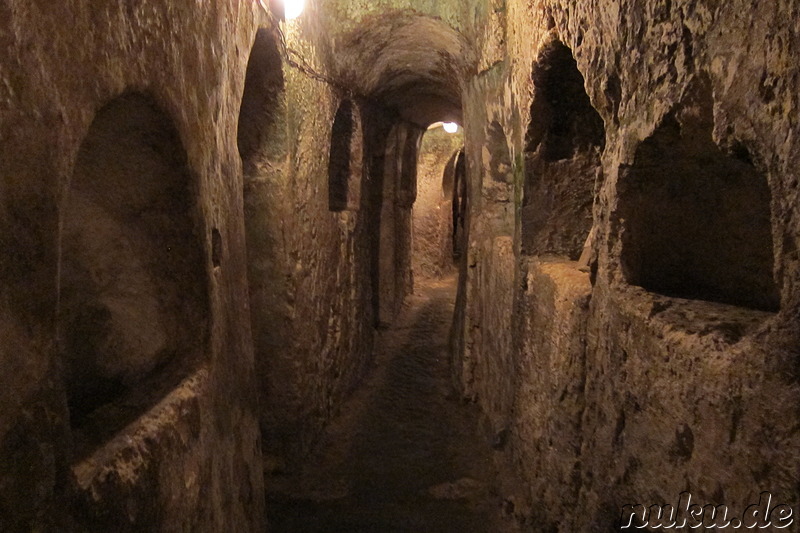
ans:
x=757 y=516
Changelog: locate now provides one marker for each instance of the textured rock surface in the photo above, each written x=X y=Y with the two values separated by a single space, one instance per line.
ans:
x=672 y=392
x=546 y=433
x=307 y=266
x=192 y=461
x=433 y=209
x=666 y=360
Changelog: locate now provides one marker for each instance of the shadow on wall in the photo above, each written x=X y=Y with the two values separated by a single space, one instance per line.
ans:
x=562 y=158
x=345 y=159
x=389 y=286
x=133 y=302
x=407 y=183
x=406 y=195
x=454 y=187
x=696 y=220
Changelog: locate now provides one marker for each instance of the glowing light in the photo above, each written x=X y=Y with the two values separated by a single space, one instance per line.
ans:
x=450 y=127
x=293 y=8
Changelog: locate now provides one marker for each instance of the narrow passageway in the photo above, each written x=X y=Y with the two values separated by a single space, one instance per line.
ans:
x=404 y=455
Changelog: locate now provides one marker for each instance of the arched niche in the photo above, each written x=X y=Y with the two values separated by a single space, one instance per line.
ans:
x=345 y=161
x=263 y=147
x=695 y=220
x=133 y=301
x=260 y=113
x=564 y=141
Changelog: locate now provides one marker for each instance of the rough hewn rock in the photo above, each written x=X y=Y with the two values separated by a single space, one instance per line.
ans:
x=190 y=458
x=657 y=142
x=676 y=390
x=433 y=208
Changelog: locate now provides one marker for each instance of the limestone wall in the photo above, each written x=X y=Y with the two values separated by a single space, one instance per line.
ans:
x=628 y=291
x=308 y=253
x=634 y=375
x=121 y=224
x=190 y=294
x=433 y=209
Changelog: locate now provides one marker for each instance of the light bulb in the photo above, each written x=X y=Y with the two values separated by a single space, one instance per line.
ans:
x=450 y=127
x=293 y=8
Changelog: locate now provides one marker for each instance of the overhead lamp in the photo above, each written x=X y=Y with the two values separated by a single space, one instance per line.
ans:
x=450 y=127
x=293 y=8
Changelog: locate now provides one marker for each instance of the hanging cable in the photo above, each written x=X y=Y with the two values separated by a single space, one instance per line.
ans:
x=294 y=59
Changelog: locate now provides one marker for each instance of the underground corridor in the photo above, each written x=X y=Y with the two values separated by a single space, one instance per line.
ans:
x=404 y=453
x=406 y=456
x=402 y=266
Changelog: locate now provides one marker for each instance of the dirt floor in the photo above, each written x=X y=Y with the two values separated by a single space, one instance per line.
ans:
x=405 y=454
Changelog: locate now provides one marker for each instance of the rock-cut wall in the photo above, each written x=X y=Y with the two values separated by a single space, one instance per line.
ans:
x=127 y=398
x=433 y=212
x=653 y=332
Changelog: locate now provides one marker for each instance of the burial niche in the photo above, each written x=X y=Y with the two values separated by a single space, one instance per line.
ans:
x=345 y=161
x=562 y=158
x=695 y=219
x=133 y=303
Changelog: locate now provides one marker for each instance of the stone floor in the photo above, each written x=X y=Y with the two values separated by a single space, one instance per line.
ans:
x=405 y=454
